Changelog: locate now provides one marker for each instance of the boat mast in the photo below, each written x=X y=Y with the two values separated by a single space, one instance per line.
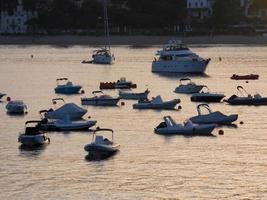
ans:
x=106 y=26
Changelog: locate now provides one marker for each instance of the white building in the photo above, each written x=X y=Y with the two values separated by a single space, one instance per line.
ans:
x=200 y=9
x=16 y=23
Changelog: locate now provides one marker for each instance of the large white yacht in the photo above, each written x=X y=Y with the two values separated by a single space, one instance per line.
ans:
x=176 y=57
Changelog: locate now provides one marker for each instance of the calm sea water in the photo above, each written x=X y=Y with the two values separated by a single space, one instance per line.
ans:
x=148 y=166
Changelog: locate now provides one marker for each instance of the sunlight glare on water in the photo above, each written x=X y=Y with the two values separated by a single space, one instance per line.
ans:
x=148 y=166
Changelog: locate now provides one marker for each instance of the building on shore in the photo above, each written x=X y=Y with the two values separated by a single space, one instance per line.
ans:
x=254 y=9
x=16 y=21
x=199 y=10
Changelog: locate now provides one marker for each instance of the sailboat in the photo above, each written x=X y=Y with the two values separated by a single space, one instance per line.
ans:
x=103 y=55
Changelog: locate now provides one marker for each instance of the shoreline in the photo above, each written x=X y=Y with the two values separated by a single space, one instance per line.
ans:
x=130 y=40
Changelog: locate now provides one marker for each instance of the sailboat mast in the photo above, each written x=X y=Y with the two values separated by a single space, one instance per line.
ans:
x=106 y=25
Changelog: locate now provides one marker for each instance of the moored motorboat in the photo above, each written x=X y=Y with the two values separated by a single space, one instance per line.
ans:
x=16 y=107
x=207 y=96
x=65 y=125
x=33 y=136
x=100 y=100
x=72 y=110
x=246 y=99
x=176 y=57
x=188 y=87
x=156 y=103
x=212 y=117
x=67 y=88
x=133 y=95
x=100 y=145
x=170 y=127
x=245 y=77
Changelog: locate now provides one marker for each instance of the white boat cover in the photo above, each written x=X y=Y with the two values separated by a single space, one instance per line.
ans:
x=70 y=109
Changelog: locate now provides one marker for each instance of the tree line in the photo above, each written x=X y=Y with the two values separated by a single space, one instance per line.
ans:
x=135 y=14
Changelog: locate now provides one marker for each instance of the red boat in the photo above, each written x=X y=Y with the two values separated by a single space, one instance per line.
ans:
x=120 y=84
x=245 y=77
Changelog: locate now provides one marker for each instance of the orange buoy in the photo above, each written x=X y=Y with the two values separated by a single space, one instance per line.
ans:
x=123 y=103
x=8 y=99
x=221 y=132
x=241 y=122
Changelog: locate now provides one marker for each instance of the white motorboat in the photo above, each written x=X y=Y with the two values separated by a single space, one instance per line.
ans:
x=65 y=124
x=67 y=88
x=134 y=95
x=2 y=95
x=156 y=103
x=246 y=99
x=170 y=127
x=176 y=57
x=207 y=96
x=16 y=107
x=33 y=136
x=212 y=117
x=100 y=100
x=101 y=145
x=72 y=110
x=188 y=87
x=103 y=55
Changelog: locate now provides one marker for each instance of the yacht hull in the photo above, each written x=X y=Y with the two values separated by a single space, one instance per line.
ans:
x=189 y=66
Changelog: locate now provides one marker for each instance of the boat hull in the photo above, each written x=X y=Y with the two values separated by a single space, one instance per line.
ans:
x=103 y=59
x=247 y=101
x=68 y=90
x=133 y=96
x=33 y=140
x=188 y=66
x=196 y=130
x=101 y=149
x=168 y=105
x=207 y=119
x=100 y=102
x=207 y=98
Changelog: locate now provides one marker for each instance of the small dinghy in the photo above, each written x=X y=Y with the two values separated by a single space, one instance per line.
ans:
x=212 y=117
x=33 y=136
x=134 y=96
x=170 y=127
x=2 y=95
x=101 y=146
x=156 y=103
x=245 y=77
x=207 y=96
x=188 y=88
x=246 y=99
x=67 y=88
x=72 y=110
x=100 y=100
x=16 y=107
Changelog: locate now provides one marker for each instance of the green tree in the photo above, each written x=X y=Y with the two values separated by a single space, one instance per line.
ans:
x=226 y=12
